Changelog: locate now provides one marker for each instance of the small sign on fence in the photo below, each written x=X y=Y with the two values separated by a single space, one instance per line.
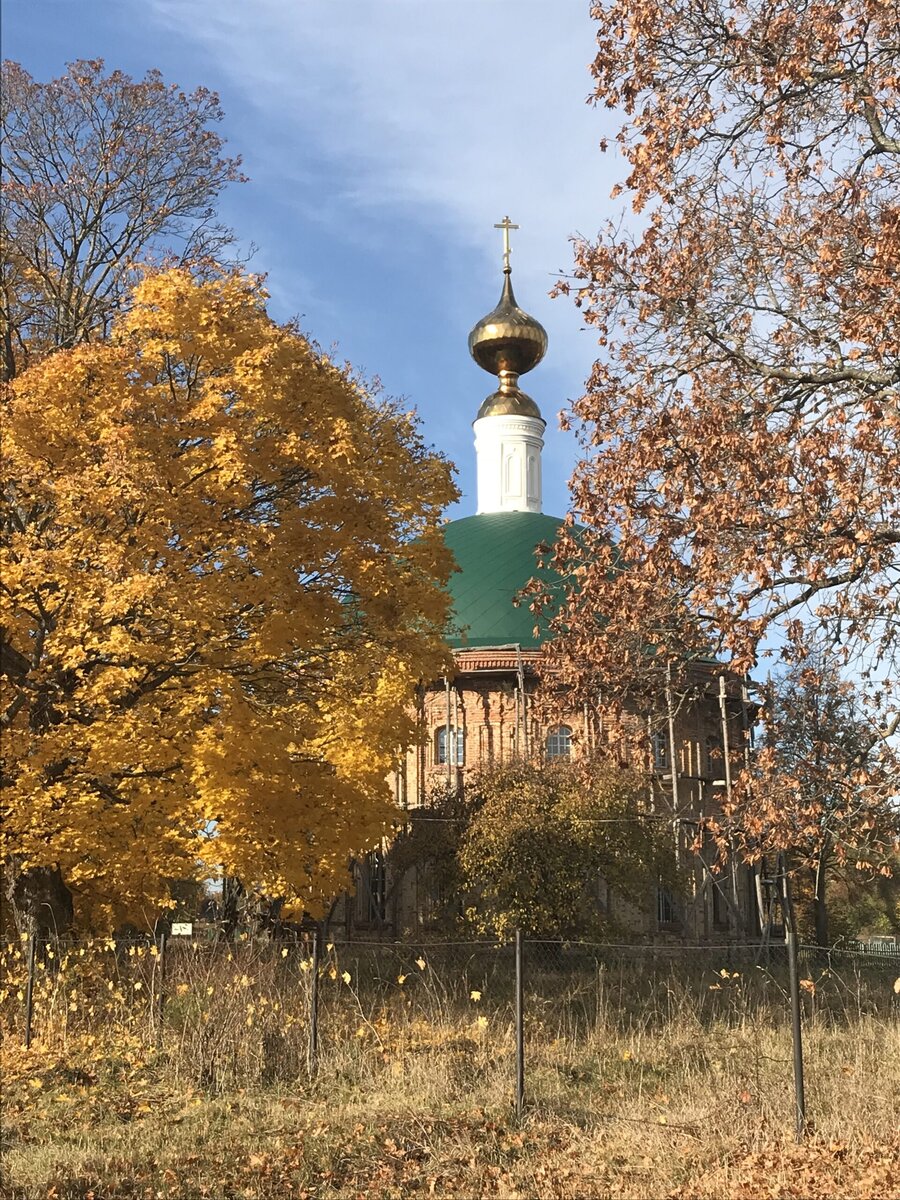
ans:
x=182 y=929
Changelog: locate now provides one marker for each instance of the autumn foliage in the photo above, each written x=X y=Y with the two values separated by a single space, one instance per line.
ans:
x=100 y=172
x=819 y=785
x=222 y=578
x=740 y=429
x=540 y=840
x=738 y=489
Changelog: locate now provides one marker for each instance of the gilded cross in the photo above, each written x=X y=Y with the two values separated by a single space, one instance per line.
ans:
x=506 y=225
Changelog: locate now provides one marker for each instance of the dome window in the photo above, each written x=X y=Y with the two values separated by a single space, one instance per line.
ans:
x=559 y=742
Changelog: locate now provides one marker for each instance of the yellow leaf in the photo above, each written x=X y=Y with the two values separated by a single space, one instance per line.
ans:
x=141 y=460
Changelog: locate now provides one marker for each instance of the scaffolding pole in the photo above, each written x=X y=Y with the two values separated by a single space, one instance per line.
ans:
x=520 y=671
x=447 y=751
x=726 y=755
x=755 y=868
x=673 y=762
x=455 y=756
x=670 y=715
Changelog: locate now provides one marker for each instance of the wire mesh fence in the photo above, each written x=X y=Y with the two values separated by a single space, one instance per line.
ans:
x=201 y=1055
x=259 y=1010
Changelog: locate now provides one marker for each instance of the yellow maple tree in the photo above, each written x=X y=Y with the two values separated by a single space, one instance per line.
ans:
x=222 y=577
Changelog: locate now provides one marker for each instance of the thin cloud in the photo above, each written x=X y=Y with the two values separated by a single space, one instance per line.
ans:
x=434 y=117
x=445 y=115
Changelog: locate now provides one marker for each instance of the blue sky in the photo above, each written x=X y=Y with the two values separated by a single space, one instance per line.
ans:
x=382 y=141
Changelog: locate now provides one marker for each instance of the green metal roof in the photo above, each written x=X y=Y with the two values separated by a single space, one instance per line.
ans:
x=495 y=556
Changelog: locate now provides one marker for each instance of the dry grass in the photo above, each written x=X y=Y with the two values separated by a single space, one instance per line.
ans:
x=639 y=1085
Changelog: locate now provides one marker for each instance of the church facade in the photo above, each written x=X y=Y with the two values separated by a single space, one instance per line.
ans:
x=489 y=711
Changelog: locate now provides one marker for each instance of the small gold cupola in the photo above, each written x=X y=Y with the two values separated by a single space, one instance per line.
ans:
x=507 y=343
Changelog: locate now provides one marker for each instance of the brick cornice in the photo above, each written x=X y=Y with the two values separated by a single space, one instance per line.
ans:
x=494 y=659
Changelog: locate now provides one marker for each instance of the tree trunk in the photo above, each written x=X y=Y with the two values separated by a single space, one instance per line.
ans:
x=40 y=901
x=232 y=891
x=820 y=907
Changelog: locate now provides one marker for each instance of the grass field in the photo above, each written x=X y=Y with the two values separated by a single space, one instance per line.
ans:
x=639 y=1085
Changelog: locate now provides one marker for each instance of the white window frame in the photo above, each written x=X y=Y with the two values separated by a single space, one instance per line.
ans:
x=558 y=738
x=457 y=744
x=659 y=749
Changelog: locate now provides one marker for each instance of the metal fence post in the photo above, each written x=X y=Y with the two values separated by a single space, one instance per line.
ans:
x=520 y=1028
x=161 y=985
x=790 y=939
x=313 y=1051
x=29 y=989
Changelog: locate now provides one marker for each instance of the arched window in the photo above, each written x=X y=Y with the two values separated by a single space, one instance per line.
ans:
x=659 y=745
x=559 y=742
x=532 y=484
x=715 y=759
x=666 y=908
x=514 y=473
x=457 y=747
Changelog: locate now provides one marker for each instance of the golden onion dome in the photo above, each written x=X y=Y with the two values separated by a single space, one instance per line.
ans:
x=507 y=343
x=508 y=339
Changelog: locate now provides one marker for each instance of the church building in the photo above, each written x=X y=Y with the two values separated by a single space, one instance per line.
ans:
x=488 y=711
